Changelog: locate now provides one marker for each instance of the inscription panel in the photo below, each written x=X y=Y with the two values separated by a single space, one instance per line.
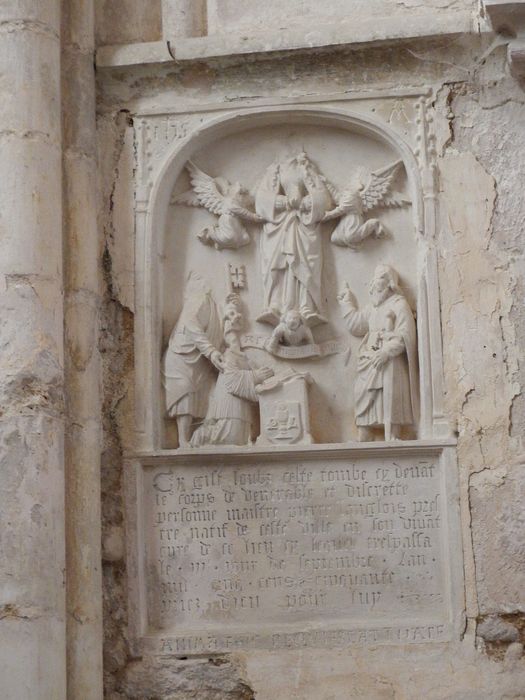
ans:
x=306 y=549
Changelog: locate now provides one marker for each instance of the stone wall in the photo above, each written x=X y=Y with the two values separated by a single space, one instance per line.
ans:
x=479 y=112
x=32 y=604
x=80 y=82
x=128 y=21
x=250 y=16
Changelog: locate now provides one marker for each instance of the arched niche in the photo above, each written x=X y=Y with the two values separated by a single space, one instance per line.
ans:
x=157 y=255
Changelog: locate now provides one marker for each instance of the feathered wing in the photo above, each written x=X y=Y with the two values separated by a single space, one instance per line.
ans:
x=378 y=190
x=335 y=194
x=206 y=192
x=189 y=198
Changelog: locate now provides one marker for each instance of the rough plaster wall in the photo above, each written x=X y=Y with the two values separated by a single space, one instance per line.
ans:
x=487 y=146
x=124 y=21
x=116 y=349
x=480 y=123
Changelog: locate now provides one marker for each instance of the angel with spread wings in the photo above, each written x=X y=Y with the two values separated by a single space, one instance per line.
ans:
x=357 y=200
x=232 y=203
x=292 y=201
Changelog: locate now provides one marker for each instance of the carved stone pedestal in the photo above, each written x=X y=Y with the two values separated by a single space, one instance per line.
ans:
x=285 y=413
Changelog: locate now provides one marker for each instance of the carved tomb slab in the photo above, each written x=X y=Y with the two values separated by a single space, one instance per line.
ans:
x=348 y=545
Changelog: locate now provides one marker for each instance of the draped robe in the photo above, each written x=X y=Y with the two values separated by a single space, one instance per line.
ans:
x=291 y=245
x=229 y=416
x=187 y=372
x=387 y=394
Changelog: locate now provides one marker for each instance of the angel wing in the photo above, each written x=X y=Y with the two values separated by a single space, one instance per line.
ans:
x=206 y=191
x=378 y=190
x=335 y=194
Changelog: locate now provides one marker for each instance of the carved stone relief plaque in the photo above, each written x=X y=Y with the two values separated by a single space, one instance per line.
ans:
x=306 y=214
x=355 y=546
x=297 y=486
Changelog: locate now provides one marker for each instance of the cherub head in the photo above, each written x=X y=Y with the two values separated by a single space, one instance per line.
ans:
x=292 y=330
x=292 y=320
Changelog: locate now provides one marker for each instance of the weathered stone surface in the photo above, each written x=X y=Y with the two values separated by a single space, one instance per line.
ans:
x=207 y=679
x=143 y=21
x=490 y=428
x=494 y=629
x=476 y=104
x=82 y=301
x=513 y=655
x=32 y=580
x=475 y=111
x=317 y=551
x=226 y=15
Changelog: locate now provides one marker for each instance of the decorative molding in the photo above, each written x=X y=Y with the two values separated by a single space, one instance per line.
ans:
x=425 y=150
x=152 y=138
x=425 y=24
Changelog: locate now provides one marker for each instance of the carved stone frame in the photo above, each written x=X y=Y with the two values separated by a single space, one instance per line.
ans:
x=156 y=174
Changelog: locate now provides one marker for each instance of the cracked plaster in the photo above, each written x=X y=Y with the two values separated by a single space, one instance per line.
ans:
x=481 y=295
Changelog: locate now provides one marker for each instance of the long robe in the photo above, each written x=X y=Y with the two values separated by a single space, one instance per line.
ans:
x=291 y=245
x=229 y=416
x=386 y=394
x=187 y=372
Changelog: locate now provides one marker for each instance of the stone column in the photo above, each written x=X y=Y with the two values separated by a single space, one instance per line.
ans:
x=81 y=280
x=32 y=568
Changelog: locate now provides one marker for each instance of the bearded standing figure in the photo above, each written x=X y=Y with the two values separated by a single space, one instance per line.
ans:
x=293 y=199
x=386 y=387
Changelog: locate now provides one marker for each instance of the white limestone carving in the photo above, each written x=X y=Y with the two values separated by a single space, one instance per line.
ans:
x=339 y=140
x=386 y=385
x=291 y=331
x=152 y=139
x=425 y=149
x=301 y=514
x=293 y=199
x=310 y=350
x=230 y=202
x=292 y=202
x=237 y=275
x=357 y=200
x=229 y=417
x=192 y=353
x=285 y=411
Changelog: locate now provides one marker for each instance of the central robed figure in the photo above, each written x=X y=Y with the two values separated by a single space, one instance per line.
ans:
x=293 y=199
